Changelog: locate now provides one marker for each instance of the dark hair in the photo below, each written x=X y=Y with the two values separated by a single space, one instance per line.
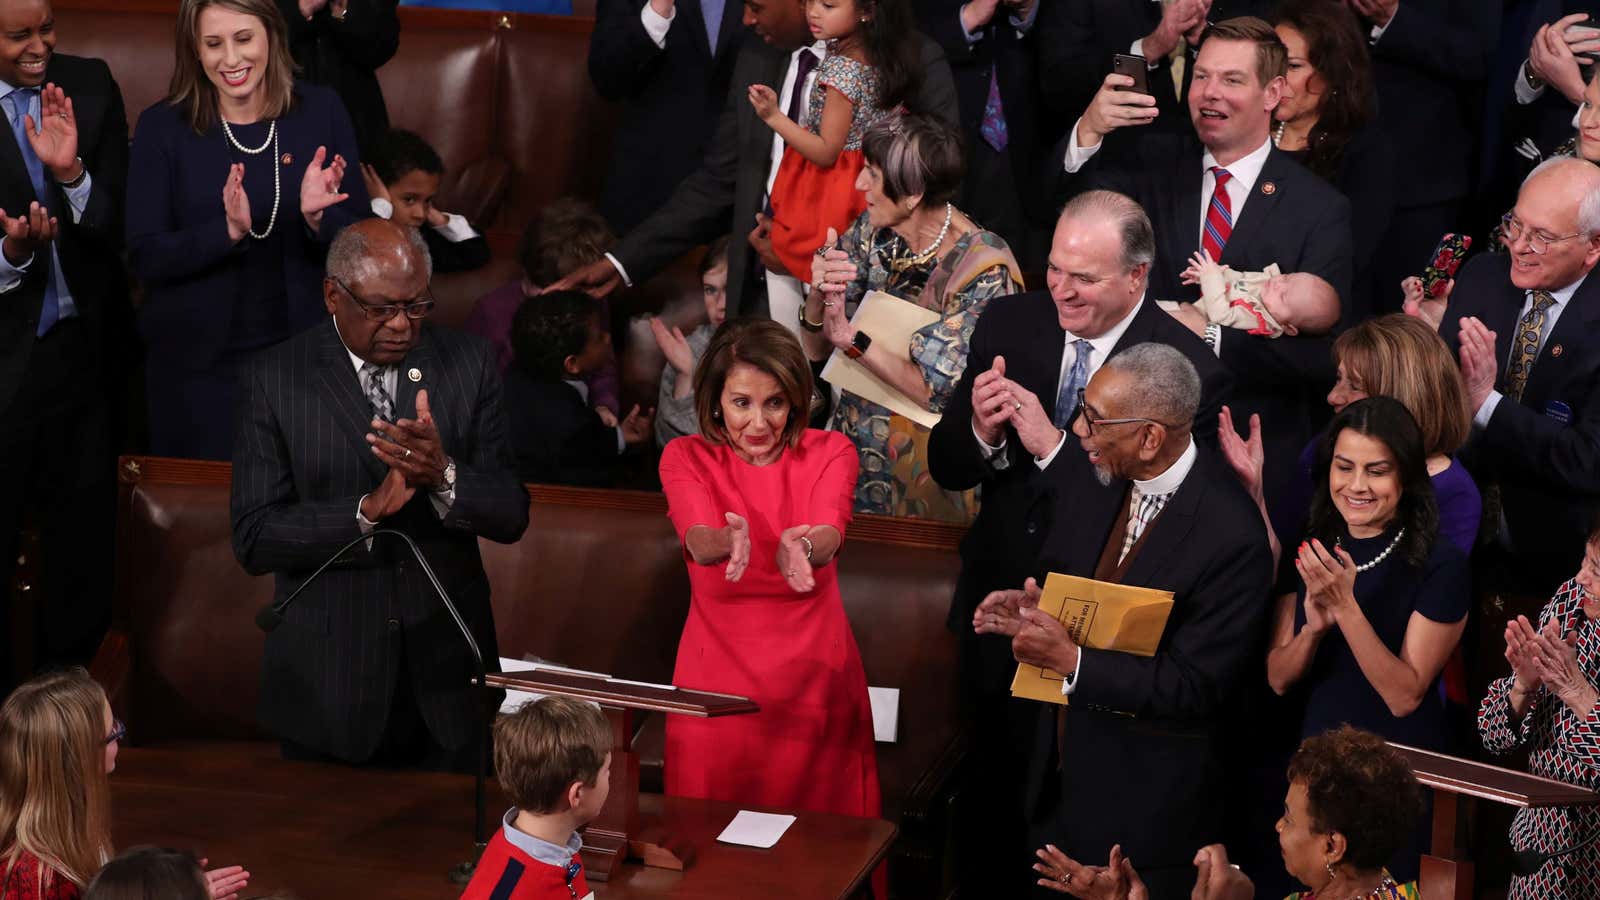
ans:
x=1272 y=58
x=400 y=152
x=891 y=39
x=545 y=746
x=1362 y=788
x=549 y=328
x=716 y=255
x=769 y=347
x=565 y=236
x=1336 y=48
x=150 y=873
x=1387 y=420
x=916 y=155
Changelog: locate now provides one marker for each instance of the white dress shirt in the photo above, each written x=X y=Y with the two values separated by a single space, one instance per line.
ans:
x=1485 y=411
x=455 y=229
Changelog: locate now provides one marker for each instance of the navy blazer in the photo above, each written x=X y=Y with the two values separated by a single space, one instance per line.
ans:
x=1544 y=451
x=300 y=467
x=178 y=233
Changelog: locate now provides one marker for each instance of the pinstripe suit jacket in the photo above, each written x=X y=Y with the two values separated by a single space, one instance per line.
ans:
x=300 y=467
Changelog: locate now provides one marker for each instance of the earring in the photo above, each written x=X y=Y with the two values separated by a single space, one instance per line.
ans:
x=716 y=414
x=1332 y=875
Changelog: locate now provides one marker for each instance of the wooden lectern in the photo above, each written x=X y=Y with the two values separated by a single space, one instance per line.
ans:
x=615 y=834
x=1445 y=875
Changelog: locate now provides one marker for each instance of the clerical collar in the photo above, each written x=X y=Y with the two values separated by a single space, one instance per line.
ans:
x=1169 y=481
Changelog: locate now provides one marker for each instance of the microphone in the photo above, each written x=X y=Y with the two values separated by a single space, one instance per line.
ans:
x=271 y=616
x=1527 y=862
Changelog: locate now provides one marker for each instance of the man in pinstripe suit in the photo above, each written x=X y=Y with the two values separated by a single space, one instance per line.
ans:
x=374 y=419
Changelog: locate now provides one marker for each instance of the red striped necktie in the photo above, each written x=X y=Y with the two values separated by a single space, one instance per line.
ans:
x=1219 y=216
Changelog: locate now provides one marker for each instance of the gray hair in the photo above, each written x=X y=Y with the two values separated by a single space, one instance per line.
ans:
x=351 y=260
x=1582 y=171
x=1167 y=385
x=1133 y=225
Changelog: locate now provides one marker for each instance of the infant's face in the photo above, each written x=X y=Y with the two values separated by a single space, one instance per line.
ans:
x=1275 y=296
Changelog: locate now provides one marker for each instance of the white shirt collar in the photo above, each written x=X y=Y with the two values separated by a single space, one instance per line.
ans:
x=1105 y=343
x=580 y=387
x=1169 y=481
x=820 y=48
x=1562 y=296
x=1246 y=169
x=539 y=848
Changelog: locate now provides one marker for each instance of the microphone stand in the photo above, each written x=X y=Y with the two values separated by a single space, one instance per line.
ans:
x=1527 y=862
x=271 y=616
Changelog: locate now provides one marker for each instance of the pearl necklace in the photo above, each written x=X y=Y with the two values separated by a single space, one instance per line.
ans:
x=1381 y=556
x=943 y=230
x=277 y=173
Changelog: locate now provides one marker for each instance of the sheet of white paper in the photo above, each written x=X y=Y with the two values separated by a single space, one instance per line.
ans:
x=754 y=829
x=648 y=684
x=890 y=322
x=515 y=699
x=885 y=713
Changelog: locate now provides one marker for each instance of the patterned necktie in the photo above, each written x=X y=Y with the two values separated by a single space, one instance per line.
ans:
x=712 y=11
x=1076 y=378
x=993 y=127
x=1142 y=510
x=1219 y=216
x=1525 y=347
x=377 y=394
x=804 y=63
x=21 y=103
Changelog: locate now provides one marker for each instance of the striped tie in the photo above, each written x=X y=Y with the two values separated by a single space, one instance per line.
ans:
x=1219 y=216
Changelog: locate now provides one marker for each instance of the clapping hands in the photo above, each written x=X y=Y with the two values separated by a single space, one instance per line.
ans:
x=319 y=187
x=1330 y=580
x=26 y=233
x=55 y=136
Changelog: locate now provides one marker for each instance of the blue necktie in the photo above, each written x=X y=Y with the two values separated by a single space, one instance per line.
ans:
x=21 y=101
x=712 y=10
x=1076 y=378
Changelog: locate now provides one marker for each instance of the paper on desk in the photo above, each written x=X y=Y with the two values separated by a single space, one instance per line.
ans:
x=515 y=699
x=890 y=322
x=885 y=713
x=754 y=829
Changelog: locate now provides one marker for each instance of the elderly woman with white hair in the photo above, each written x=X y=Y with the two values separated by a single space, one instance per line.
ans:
x=914 y=244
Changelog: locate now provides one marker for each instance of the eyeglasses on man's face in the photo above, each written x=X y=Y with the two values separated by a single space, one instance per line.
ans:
x=383 y=312
x=1539 y=241
x=1093 y=421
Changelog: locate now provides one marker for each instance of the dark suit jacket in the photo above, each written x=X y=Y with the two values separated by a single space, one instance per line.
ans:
x=1003 y=543
x=300 y=468
x=669 y=98
x=178 y=235
x=1077 y=40
x=555 y=436
x=1548 y=469
x=89 y=248
x=1429 y=68
x=346 y=56
x=1141 y=761
x=1302 y=224
x=724 y=194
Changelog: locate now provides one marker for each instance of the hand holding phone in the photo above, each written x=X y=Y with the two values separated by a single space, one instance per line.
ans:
x=1444 y=264
x=1135 y=67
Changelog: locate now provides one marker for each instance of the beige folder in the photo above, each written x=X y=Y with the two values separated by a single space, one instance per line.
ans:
x=1099 y=615
x=890 y=322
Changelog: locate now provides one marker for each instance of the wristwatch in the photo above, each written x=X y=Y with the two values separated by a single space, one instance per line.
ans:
x=858 y=345
x=1534 y=82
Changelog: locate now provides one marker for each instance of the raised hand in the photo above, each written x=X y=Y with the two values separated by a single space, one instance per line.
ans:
x=992 y=404
x=412 y=446
x=831 y=269
x=738 y=546
x=977 y=13
x=1520 y=653
x=1001 y=611
x=236 y=203
x=1178 y=19
x=376 y=189
x=319 y=188
x=1035 y=429
x=636 y=426
x=26 y=233
x=55 y=136
x=765 y=101
x=1553 y=59
x=1065 y=875
x=1112 y=109
x=1330 y=580
x=1555 y=662
x=1217 y=879
x=792 y=562
x=1479 y=363
x=225 y=882
x=1417 y=303
x=1246 y=456
x=674 y=346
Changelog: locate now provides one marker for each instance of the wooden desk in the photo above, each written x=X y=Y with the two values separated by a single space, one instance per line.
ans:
x=326 y=831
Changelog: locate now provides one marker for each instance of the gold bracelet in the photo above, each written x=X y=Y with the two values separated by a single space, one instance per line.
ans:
x=807 y=324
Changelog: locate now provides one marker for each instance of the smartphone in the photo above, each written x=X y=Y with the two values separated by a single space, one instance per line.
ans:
x=1135 y=67
x=1446 y=260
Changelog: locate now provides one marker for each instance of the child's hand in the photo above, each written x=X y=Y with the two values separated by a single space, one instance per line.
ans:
x=1199 y=264
x=436 y=218
x=607 y=417
x=765 y=101
x=637 y=428
x=376 y=189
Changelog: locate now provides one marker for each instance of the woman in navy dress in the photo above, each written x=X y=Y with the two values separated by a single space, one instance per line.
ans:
x=237 y=185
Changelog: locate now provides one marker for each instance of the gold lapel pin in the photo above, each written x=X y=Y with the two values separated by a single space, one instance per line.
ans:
x=1268 y=188
x=414 y=374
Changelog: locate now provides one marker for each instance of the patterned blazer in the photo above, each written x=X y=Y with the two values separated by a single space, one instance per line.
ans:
x=300 y=468
x=1561 y=745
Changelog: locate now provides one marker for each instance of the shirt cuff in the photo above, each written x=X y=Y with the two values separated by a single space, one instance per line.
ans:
x=995 y=454
x=1137 y=49
x=442 y=501
x=1024 y=24
x=972 y=37
x=1526 y=93
x=1077 y=157
x=1486 y=411
x=617 y=264
x=456 y=228
x=1043 y=462
x=10 y=275
x=365 y=524
x=656 y=25
x=382 y=208
x=1069 y=682
x=1378 y=30
x=78 y=197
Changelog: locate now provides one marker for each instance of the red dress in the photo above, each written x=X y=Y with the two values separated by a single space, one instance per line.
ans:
x=810 y=747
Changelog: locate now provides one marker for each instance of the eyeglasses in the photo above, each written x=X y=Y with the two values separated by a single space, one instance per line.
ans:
x=1093 y=422
x=1538 y=241
x=383 y=312
x=119 y=733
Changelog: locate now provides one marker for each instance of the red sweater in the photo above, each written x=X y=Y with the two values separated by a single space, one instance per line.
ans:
x=506 y=873
x=22 y=881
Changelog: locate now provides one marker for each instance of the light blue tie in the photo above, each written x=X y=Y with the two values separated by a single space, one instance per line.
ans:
x=1077 y=376
x=21 y=101
x=712 y=10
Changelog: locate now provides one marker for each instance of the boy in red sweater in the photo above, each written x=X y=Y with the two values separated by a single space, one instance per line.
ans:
x=553 y=757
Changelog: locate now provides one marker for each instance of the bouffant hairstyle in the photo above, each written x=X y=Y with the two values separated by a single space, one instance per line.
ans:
x=545 y=746
x=916 y=155
x=1362 y=788
x=1386 y=420
x=567 y=235
x=150 y=873
x=1400 y=356
x=549 y=328
x=1272 y=58
x=767 y=346
x=1336 y=48
x=191 y=91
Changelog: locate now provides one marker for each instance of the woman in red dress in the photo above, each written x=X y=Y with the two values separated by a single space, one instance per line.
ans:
x=761 y=504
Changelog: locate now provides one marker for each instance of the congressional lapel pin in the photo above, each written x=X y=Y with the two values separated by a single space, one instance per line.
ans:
x=1557 y=350
x=1268 y=188
x=288 y=159
x=414 y=374
x=1559 y=411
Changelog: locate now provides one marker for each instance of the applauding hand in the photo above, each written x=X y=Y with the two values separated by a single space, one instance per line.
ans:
x=26 y=233
x=1001 y=611
x=738 y=531
x=236 y=203
x=319 y=188
x=225 y=882
x=1065 y=875
x=1330 y=580
x=55 y=136
x=793 y=560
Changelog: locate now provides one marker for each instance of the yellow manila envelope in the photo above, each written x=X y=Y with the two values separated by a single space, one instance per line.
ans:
x=890 y=322
x=1099 y=615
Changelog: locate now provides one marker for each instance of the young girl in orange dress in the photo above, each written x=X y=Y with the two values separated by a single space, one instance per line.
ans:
x=871 y=68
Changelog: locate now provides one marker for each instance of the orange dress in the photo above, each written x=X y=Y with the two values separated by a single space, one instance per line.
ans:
x=808 y=199
x=810 y=747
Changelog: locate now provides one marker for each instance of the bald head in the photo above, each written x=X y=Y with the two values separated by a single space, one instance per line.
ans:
x=377 y=247
x=1558 y=209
